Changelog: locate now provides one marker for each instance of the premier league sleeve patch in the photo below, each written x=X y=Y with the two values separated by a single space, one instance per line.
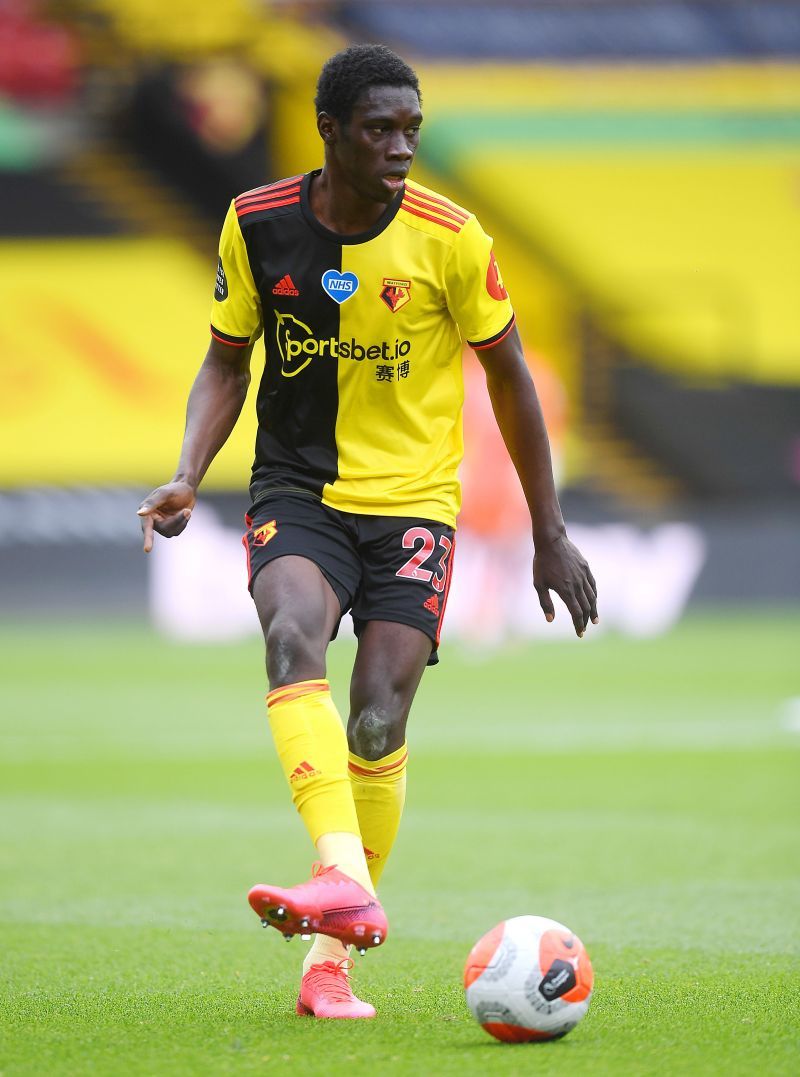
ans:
x=221 y=289
x=494 y=281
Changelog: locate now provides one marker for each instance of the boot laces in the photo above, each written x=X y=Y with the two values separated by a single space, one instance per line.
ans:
x=332 y=978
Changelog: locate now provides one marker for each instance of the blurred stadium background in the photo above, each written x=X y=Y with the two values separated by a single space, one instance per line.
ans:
x=638 y=164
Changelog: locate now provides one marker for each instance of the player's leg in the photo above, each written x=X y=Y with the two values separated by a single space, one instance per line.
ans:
x=298 y=611
x=389 y=665
x=299 y=553
x=398 y=612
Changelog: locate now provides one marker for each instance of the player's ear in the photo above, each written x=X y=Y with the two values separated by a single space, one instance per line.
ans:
x=326 y=125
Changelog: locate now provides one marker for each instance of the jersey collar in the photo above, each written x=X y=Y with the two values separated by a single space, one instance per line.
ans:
x=382 y=222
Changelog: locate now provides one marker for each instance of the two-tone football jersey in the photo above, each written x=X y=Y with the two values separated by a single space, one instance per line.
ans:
x=361 y=397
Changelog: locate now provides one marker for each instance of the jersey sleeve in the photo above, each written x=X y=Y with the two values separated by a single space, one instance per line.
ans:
x=236 y=308
x=476 y=296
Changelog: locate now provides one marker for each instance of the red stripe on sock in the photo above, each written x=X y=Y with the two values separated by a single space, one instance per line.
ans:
x=375 y=772
x=296 y=691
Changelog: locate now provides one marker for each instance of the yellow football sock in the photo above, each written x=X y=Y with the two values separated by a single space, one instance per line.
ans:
x=379 y=793
x=347 y=853
x=312 y=747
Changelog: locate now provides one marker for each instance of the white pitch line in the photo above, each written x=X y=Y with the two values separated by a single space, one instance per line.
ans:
x=789 y=714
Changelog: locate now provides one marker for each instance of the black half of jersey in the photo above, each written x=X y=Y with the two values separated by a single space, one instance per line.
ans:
x=289 y=252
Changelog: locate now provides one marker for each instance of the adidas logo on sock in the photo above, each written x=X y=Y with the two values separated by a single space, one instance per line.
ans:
x=285 y=286
x=368 y=853
x=305 y=770
x=432 y=604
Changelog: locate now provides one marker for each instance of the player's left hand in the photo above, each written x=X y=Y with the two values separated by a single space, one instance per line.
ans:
x=559 y=566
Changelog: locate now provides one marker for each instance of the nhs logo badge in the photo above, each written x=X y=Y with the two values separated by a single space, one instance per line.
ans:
x=339 y=286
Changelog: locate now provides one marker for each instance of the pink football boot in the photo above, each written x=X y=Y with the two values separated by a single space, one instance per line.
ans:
x=330 y=903
x=325 y=992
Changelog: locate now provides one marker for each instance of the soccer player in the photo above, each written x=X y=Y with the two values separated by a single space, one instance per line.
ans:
x=364 y=285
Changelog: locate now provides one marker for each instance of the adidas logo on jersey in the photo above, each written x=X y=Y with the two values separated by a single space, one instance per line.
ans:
x=432 y=604
x=285 y=286
x=305 y=770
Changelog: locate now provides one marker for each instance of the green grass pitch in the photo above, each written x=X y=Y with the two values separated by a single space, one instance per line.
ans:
x=646 y=793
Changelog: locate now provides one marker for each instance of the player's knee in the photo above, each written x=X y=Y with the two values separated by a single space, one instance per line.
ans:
x=374 y=730
x=292 y=655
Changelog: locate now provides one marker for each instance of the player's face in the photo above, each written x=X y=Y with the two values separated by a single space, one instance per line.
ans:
x=376 y=147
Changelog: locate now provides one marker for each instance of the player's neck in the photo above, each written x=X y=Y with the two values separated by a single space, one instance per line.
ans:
x=340 y=207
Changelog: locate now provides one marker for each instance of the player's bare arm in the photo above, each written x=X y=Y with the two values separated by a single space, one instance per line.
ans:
x=558 y=565
x=214 y=405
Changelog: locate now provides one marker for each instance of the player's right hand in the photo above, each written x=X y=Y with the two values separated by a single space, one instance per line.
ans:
x=167 y=511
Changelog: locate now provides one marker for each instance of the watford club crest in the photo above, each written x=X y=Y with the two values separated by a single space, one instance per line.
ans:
x=395 y=293
x=263 y=534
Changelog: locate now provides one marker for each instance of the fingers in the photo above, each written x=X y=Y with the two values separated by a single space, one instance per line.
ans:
x=144 y=512
x=577 y=603
x=173 y=525
x=591 y=597
x=147 y=529
x=590 y=578
x=590 y=590
x=562 y=569
x=168 y=527
x=578 y=606
x=546 y=603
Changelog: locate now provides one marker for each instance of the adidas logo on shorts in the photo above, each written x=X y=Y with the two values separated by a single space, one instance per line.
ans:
x=432 y=604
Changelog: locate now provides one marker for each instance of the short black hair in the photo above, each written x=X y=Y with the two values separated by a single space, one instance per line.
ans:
x=347 y=74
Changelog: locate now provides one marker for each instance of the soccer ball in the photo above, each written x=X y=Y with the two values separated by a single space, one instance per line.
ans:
x=529 y=978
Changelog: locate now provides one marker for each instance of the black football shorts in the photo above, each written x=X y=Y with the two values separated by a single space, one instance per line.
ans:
x=382 y=568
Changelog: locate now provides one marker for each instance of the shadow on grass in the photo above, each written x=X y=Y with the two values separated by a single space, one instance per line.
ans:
x=537 y=1046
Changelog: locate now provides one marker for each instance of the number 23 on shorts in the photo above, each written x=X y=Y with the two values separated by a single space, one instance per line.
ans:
x=423 y=543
